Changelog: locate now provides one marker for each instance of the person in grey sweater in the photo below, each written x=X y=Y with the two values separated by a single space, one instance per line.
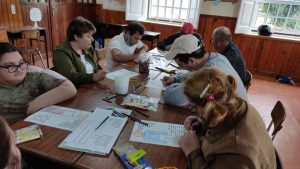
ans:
x=190 y=54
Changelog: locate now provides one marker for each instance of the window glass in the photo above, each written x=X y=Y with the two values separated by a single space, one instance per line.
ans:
x=177 y=3
x=282 y=16
x=183 y=14
x=170 y=3
x=177 y=11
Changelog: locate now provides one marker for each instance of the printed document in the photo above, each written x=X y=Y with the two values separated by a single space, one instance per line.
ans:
x=97 y=134
x=59 y=117
x=156 y=83
x=166 y=134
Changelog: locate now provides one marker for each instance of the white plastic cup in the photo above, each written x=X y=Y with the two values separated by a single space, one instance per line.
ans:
x=121 y=84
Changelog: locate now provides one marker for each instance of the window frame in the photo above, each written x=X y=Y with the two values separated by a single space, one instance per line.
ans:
x=253 y=6
x=138 y=10
x=165 y=19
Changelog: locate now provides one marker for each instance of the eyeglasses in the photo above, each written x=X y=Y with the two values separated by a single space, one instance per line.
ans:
x=14 y=68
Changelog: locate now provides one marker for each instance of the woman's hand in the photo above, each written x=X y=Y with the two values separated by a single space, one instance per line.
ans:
x=100 y=75
x=189 y=142
x=191 y=122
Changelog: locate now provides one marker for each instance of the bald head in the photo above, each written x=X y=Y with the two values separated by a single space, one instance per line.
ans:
x=221 y=38
x=223 y=33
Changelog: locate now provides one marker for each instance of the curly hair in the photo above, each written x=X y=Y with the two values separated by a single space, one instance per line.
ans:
x=214 y=91
x=79 y=26
x=5 y=142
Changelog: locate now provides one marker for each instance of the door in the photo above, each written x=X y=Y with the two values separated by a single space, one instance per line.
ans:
x=62 y=12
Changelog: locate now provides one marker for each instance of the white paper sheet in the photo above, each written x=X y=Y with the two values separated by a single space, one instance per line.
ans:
x=166 y=134
x=156 y=83
x=59 y=117
x=126 y=111
x=122 y=72
x=87 y=138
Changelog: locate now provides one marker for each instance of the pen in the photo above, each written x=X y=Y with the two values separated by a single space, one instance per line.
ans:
x=111 y=97
x=102 y=123
x=174 y=65
x=107 y=100
x=135 y=119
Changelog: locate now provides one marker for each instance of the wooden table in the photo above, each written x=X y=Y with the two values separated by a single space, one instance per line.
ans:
x=151 y=36
x=88 y=98
x=16 y=33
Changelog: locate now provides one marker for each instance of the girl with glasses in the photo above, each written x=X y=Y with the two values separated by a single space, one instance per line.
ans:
x=24 y=91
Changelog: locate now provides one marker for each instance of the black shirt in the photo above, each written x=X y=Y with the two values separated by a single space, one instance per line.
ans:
x=236 y=59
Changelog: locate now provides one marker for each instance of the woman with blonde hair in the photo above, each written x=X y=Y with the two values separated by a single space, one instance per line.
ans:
x=229 y=132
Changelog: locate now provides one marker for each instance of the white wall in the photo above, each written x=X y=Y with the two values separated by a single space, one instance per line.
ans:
x=207 y=7
x=222 y=9
x=115 y=5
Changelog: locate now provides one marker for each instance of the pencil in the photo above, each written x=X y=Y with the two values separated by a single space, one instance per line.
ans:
x=107 y=100
x=135 y=119
x=111 y=97
x=102 y=123
x=174 y=65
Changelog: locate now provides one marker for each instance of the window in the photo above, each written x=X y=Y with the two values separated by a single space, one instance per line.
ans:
x=172 y=11
x=282 y=15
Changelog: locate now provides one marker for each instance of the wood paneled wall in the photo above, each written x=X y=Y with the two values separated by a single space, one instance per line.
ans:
x=264 y=55
x=44 y=7
x=7 y=19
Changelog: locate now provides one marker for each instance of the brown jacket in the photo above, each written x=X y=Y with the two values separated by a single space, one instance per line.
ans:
x=240 y=143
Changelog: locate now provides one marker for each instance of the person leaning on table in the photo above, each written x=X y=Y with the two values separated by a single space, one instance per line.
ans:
x=190 y=54
x=26 y=89
x=228 y=132
x=126 y=46
x=75 y=58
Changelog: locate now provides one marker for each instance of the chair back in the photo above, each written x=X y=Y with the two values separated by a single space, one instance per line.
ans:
x=3 y=36
x=248 y=78
x=30 y=35
x=278 y=115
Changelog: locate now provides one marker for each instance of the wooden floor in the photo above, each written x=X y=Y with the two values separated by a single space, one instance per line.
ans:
x=263 y=94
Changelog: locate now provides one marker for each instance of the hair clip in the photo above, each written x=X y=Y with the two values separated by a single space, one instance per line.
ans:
x=204 y=91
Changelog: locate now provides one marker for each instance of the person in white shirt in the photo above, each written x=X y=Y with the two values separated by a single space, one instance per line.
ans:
x=126 y=46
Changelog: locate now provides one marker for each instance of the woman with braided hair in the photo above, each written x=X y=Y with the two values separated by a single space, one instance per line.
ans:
x=229 y=132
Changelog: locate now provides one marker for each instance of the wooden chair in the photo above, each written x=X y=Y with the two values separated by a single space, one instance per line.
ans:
x=278 y=116
x=3 y=36
x=28 y=50
x=248 y=78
